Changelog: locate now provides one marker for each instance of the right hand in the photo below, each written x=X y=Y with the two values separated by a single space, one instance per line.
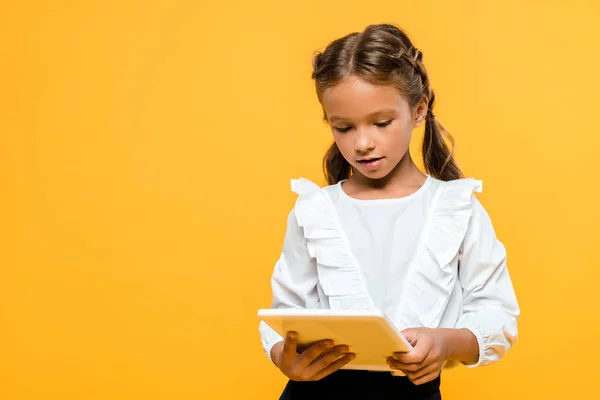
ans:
x=314 y=363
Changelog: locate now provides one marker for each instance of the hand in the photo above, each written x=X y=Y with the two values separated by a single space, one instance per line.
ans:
x=314 y=363
x=425 y=362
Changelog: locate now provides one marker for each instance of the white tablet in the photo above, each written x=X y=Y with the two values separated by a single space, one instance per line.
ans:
x=370 y=335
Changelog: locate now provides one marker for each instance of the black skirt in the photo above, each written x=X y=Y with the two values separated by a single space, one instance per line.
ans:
x=349 y=384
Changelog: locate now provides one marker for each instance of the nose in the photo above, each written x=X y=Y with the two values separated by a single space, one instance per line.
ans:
x=364 y=141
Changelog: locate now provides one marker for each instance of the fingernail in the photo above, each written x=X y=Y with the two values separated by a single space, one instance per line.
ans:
x=352 y=356
x=329 y=344
x=292 y=335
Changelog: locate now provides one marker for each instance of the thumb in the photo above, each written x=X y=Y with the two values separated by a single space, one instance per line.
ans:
x=290 y=348
x=412 y=335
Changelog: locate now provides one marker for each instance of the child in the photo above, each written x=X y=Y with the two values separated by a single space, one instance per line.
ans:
x=384 y=235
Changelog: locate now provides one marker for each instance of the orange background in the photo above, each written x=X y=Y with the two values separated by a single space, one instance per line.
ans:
x=145 y=153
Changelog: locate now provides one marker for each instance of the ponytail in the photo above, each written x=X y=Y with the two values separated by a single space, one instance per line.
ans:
x=335 y=166
x=383 y=54
x=438 y=159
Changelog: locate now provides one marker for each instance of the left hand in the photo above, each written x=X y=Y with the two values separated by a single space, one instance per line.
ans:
x=425 y=362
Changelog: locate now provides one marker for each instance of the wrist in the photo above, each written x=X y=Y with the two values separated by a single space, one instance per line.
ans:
x=459 y=344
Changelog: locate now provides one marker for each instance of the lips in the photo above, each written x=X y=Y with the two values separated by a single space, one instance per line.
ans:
x=371 y=163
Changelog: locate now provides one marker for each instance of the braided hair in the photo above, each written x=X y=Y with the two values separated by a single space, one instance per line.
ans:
x=383 y=54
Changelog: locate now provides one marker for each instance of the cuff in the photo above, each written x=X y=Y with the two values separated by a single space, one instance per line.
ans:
x=480 y=344
x=268 y=338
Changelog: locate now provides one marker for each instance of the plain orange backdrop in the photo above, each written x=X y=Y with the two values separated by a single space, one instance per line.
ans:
x=146 y=149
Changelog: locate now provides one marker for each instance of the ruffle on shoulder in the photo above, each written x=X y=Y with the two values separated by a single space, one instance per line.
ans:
x=339 y=274
x=433 y=273
x=450 y=218
x=302 y=186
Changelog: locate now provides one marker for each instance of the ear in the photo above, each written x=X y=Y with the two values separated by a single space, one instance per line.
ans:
x=420 y=112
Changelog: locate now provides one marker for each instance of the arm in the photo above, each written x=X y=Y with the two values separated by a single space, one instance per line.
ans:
x=294 y=283
x=460 y=344
x=490 y=308
x=487 y=327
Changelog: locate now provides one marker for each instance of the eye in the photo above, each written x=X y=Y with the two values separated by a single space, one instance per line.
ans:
x=383 y=124
x=343 y=129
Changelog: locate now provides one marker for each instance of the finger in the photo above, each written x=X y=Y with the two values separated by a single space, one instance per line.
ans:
x=334 y=366
x=411 y=335
x=395 y=364
x=426 y=378
x=302 y=347
x=314 y=351
x=392 y=363
x=431 y=368
x=417 y=355
x=433 y=360
x=326 y=358
x=434 y=357
x=289 y=346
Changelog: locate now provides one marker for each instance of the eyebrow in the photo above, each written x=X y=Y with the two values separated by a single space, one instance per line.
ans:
x=334 y=118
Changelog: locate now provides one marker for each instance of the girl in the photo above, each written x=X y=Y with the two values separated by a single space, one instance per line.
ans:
x=384 y=235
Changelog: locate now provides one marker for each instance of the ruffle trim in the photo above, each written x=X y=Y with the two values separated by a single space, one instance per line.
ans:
x=339 y=274
x=431 y=276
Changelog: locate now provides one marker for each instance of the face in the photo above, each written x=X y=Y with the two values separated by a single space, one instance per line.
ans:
x=371 y=124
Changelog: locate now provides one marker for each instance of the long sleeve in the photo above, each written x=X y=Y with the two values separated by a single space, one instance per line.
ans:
x=490 y=308
x=294 y=280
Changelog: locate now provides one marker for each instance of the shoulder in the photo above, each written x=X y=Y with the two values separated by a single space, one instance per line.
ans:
x=450 y=216
x=312 y=203
x=463 y=193
x=455 y=198
x=459 y=208
x=458 y=188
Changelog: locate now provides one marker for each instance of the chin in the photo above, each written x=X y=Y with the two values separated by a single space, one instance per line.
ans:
x=374 y=174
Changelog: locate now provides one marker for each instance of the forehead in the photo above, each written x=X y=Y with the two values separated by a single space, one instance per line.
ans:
x=357 y=98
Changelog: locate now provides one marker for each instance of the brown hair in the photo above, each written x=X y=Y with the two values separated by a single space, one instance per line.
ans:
x=384 y=55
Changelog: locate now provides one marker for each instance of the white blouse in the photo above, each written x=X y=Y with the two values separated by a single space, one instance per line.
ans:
x=430 y=259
